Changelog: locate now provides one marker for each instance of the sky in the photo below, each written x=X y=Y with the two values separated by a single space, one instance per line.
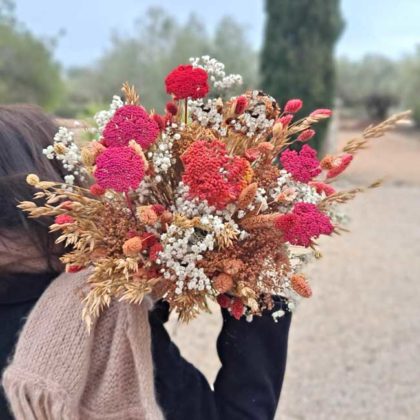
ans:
x=387 y=27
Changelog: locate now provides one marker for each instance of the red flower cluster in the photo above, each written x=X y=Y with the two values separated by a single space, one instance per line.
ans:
x=130 y=122
x=303 y=165
x=185 y=81
x=339 y=165
x=212 y=174
x=304 y=223
x=241 y=104
x=119 y=168
x=321 y=187
x=235 y=305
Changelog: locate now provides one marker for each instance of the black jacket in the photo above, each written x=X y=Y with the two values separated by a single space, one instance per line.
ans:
x=248 y=385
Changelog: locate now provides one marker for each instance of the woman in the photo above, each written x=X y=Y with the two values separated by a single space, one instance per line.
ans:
x=128 y=367
x=28 y=256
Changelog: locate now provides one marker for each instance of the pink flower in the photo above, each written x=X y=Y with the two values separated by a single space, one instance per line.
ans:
x=241 y=104
x=293 y=105
x=303 y=165
x=119 y=168
x=130 y=122
x=63 y=219
x=306 y=135
x=339 y=165
x=97 y=190
x=324 y=112
x=186 y=81
x=285 y=120
x=321 y=187
x=304 y=223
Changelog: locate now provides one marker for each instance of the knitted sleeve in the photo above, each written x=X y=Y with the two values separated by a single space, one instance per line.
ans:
x=248 y=385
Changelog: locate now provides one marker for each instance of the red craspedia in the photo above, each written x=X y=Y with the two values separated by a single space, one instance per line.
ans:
x=324 y=112
x=339 y=165
x=303 y=165
x=240 y=105
x=160 y=121
x=97 y=190
x=130 y=122
x=63 y=219
x=293 y=105
x=321 y=187
x=154 y=251
x=285 y=120
x=237 y=308
x=186 y=81
x=158 y=209
x=306 y=135
x=304 y=223
x=119 y=168
x=224 y=301
x=73 y=268
x=172 y=108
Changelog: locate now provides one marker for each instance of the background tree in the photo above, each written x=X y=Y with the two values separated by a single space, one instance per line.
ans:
x=28 y=72
x=297 y=59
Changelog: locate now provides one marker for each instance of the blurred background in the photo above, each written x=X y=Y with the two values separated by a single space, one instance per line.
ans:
x=354 y=347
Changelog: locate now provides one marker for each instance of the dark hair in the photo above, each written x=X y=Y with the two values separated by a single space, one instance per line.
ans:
x=25 y=130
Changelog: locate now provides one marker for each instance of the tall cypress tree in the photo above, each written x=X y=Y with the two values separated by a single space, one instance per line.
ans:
x=297 y=59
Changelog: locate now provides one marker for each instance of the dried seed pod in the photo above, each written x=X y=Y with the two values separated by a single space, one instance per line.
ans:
x=300 y=285
x=259 y=222
x=132 y=246
x=247 y=195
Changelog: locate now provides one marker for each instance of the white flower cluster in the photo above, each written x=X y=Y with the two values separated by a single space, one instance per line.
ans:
x=216 y=71
x=66 y=150
x=183 y=248
x=143 y=191
x=102 y=117
x=162 y=154
x=302 y=192
x=254 y=120
x=207 y=114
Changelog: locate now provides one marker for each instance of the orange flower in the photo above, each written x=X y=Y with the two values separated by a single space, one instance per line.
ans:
x=301 y=286
x=132 y=246
x=223 y=283
x=147 y=215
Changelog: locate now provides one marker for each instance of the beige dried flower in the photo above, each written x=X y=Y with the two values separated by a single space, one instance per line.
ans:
x=147 y=215
x=32 y=179
x=247 y=195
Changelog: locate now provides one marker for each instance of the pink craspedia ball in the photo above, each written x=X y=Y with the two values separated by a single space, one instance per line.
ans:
x=119 y=168
x=130 y=122
x=186 y=81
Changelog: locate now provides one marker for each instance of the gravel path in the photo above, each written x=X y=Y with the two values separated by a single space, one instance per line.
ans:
x=355 y=345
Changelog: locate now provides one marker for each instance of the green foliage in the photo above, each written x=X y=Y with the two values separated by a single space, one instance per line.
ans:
x=27 y=70
x=297 y=59
x=159 y=44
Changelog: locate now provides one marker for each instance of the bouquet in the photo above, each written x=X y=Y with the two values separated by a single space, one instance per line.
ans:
x=206 y=201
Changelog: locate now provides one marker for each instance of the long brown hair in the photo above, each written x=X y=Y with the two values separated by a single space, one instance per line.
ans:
x=25 y=130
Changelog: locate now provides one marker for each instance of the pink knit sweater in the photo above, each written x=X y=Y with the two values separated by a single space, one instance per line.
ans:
x=60 y=372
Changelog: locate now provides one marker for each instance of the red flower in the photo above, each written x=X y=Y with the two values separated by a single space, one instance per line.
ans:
x=149 y=239
x=212 y=174
x=158 y=209
x=119 y=168
x=154 y=251
x=339 y=165
x=171 y=108
x=303 y=165
x=130 y=122
x=237 y=308
x=241 y=104
x=306 y=135
x=97 y=190
x=304 y=223
x=324 y=112
x=224 y=301
x=321 y=187
x=159 y=120
x=185 y=81
x=285 y=120
x=293 y=106
x=63 y=219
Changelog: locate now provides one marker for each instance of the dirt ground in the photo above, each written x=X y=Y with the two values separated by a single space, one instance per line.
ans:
x=354 y=346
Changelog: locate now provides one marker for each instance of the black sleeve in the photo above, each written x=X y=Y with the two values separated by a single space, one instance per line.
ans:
x=248 y=385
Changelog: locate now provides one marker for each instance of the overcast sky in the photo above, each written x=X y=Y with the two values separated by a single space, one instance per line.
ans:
x=388 y=27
